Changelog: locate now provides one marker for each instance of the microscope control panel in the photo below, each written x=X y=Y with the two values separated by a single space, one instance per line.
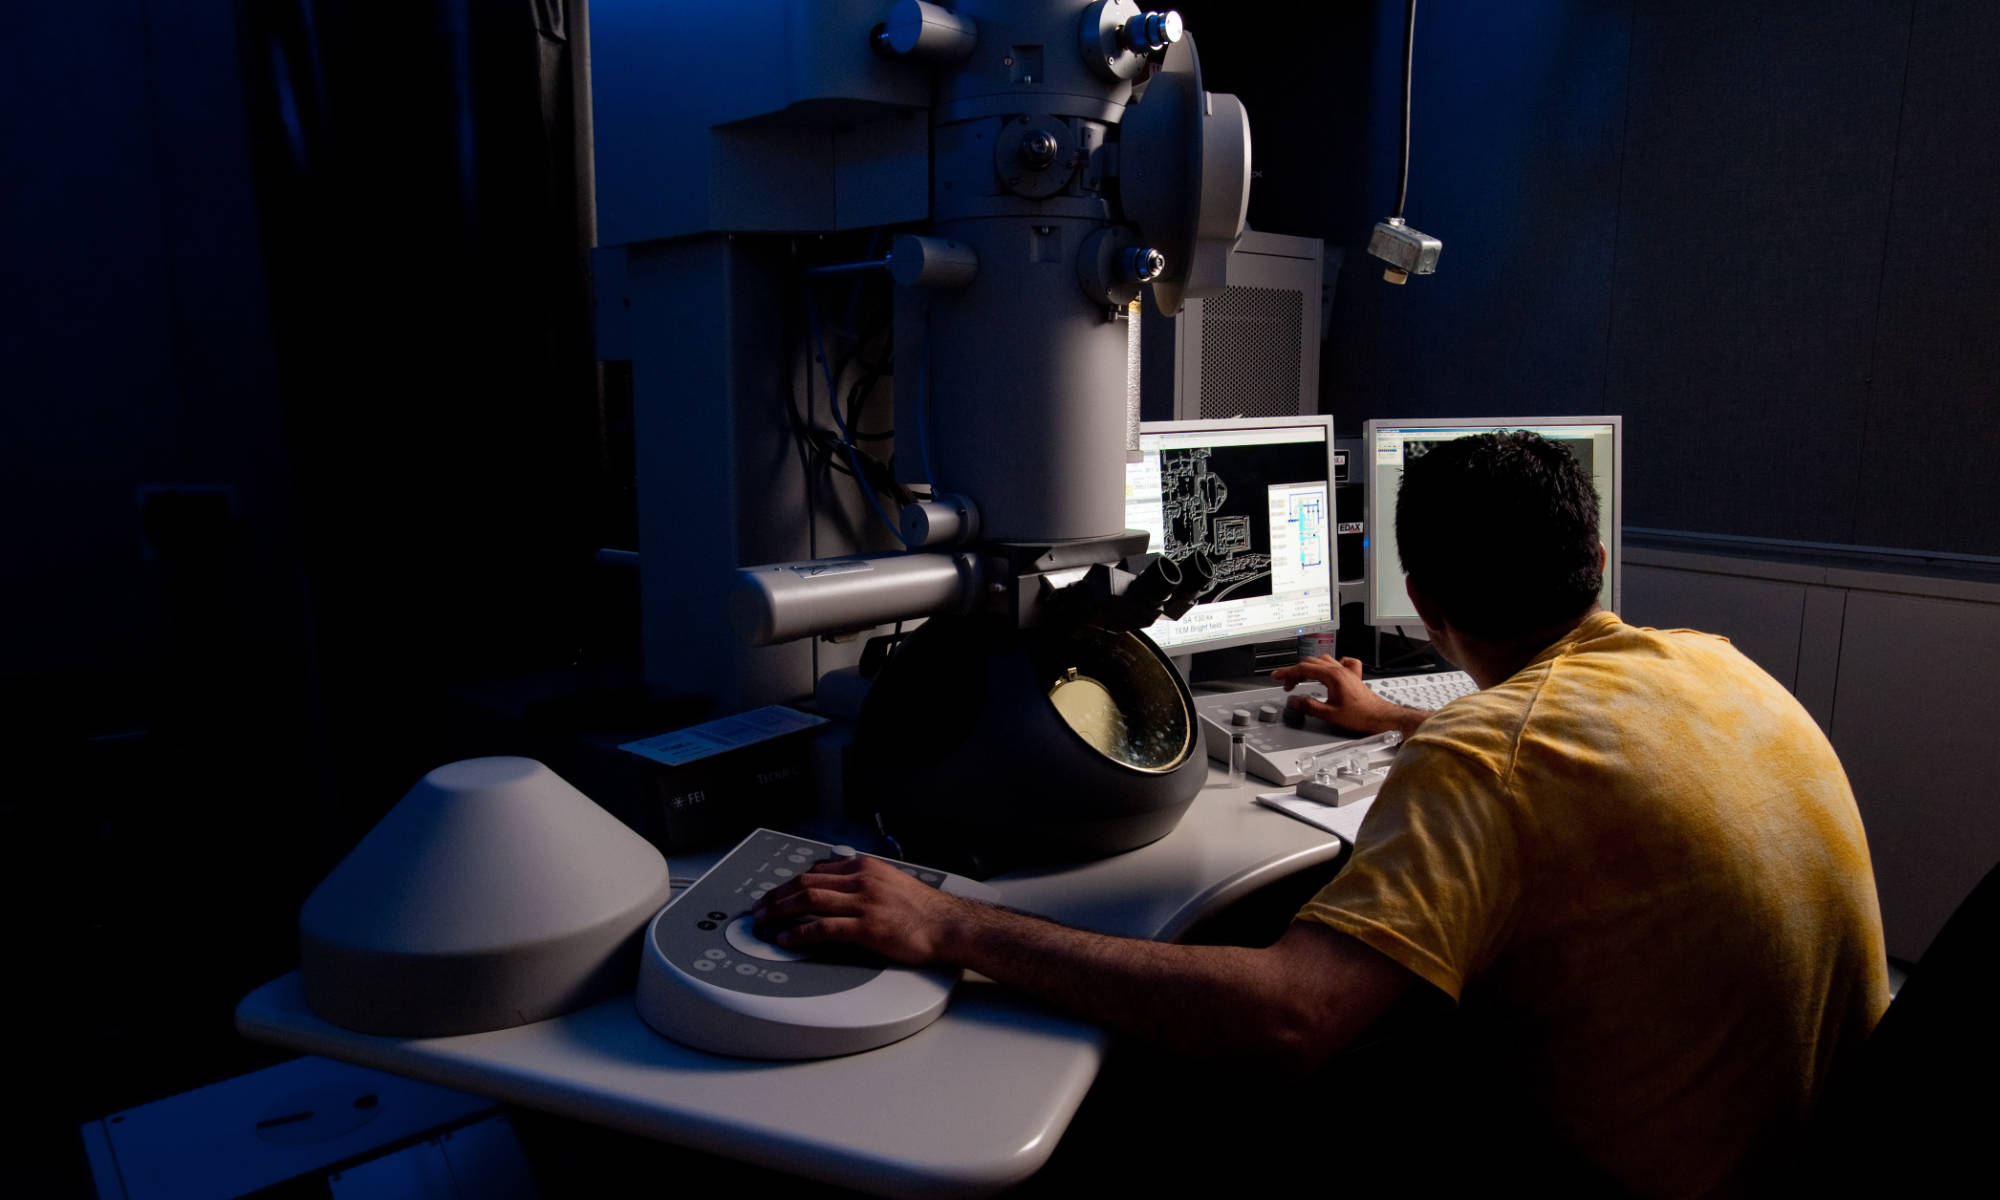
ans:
x=1277 y=736
x=708 y=981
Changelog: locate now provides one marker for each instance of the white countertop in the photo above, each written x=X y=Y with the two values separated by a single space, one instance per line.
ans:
x=970 y=1105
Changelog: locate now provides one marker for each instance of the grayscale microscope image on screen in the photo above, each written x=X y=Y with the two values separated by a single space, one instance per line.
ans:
x=1254 y=497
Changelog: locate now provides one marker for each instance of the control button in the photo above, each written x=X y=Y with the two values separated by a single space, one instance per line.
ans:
x=782 y=872
x=704 y=924
x=843 y=851
x=929 y=878
x=746 y=968
x=739 y=935
x=1267 y=713
x=703 y=964
x=718 y=916
x=797 y=858
x=1295 y=716
x=777 y=977
x=715 y=954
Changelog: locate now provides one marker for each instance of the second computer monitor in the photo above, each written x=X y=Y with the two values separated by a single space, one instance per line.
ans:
x=1256 y=496
x=1596 y=442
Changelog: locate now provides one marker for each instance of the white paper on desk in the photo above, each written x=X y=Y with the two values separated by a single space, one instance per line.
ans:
x=1345 y=820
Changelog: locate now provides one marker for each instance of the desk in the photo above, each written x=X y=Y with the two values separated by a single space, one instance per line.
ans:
x=970 y=1105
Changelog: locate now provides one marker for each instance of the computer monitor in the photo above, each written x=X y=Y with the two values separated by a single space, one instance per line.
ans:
x=1256 y=495
x=1597 y=443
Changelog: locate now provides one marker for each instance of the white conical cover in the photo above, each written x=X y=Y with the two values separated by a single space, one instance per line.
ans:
x=493 y=894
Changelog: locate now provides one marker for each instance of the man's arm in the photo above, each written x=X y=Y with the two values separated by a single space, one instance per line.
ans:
x=1348 y=704
x=1294 y=1003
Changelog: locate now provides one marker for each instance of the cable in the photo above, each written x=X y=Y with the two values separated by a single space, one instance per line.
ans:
x=826 y=366
x=864 y=386
x=799 y=443
x=815 y=449
x=1412 y=652
x=821 y=451
x=1409 y=62
x=846 y=441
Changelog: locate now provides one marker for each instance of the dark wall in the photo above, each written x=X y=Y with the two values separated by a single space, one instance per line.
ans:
x=133 y=324
x=154 y=662
x=1761 y=232
x=1935 y=357
x=1759 y=158
x=295 y=414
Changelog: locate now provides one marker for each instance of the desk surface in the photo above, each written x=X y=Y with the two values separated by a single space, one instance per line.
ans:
x=970 y=1105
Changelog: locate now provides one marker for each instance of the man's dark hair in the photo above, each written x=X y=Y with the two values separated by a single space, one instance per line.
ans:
x=1500 y=531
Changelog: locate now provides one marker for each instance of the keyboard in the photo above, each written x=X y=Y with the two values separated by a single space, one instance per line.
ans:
x=1431 y=691
x=1277 y=750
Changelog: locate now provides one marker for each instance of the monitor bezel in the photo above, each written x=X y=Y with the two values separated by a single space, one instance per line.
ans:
x=1324 y=423
x=1371 y=547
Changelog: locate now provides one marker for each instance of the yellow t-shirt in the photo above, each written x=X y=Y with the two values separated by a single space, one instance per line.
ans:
x=1641 y=856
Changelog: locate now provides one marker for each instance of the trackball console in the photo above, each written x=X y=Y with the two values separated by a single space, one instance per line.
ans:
x=707 y=981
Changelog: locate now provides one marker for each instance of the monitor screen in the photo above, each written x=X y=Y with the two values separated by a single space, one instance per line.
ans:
x=1386 y=445
x=1255 y=494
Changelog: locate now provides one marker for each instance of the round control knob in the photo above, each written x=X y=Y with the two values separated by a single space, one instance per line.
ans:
x=1240 y=716
x=1267 y=713
x=1038 y=149
x=1143 y=264
x=1154 y=30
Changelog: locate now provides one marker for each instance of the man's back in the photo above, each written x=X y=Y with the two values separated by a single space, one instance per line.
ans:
x=1638 y=862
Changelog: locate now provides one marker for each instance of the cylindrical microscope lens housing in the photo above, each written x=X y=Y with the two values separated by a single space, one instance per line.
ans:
x=783 y=601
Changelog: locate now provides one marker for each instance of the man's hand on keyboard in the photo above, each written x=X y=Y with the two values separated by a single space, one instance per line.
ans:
x=1348 y=704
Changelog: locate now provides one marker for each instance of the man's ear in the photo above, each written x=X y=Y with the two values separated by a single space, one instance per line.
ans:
x=1427 y=610
x=1603 y=556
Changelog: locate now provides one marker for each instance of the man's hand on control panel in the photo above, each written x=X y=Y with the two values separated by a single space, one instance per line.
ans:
x=1348 y=704
x=864 y=902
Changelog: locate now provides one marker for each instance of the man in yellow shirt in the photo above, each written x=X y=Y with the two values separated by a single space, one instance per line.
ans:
x=1632 y=857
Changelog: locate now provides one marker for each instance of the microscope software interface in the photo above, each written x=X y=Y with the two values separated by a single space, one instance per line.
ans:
x=1254 y=495
x=1387 y=445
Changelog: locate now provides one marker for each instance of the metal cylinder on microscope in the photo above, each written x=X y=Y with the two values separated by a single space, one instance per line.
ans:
x=781 y=601
x=1018 y=393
